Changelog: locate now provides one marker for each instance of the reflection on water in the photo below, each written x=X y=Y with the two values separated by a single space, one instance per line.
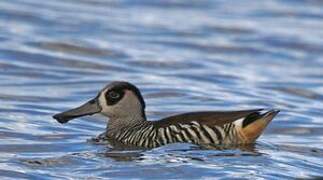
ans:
x=184 y=56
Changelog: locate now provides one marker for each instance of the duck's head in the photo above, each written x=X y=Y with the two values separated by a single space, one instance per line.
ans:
x=118 y=100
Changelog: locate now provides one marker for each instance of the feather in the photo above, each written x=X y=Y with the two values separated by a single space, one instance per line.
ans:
x=209 y=118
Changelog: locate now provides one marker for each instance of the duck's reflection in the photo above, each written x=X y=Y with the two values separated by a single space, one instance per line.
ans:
x=183 y=152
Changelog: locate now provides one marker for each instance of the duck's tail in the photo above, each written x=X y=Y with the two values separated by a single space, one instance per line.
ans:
x=251 y=127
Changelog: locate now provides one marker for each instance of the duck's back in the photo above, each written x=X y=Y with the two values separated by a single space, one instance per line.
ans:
x=214 y=127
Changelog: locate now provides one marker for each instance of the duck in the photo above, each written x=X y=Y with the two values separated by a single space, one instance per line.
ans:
x=124 y=106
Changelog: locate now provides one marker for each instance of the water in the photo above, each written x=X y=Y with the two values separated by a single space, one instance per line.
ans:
x=184 y=56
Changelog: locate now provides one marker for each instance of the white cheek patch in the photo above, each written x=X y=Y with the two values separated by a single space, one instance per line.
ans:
x=103 y=103
x=102 y=100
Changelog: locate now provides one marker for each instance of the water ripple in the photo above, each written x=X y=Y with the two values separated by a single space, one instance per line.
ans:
x=184 y=56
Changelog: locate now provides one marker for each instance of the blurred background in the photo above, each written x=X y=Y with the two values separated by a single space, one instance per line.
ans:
x=184 y=56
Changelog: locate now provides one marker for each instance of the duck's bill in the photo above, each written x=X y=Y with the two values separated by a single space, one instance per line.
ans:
x=89 y=108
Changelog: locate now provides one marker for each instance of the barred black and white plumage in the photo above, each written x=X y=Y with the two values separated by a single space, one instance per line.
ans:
x=123 y=104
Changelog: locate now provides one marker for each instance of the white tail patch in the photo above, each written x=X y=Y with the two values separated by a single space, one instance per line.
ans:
x=238 y=123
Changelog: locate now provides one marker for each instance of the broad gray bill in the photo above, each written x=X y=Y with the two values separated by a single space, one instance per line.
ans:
x=89 y=108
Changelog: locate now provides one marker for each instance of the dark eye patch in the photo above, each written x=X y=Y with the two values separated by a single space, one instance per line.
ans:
x=113 y=96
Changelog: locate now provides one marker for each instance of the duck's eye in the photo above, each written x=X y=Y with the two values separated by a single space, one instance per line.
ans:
x=114 y=95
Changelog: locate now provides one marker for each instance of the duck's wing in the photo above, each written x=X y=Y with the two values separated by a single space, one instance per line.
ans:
x=248 y=123
x=210 y=118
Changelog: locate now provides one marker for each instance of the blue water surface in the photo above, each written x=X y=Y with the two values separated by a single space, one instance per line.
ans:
x=188 y=55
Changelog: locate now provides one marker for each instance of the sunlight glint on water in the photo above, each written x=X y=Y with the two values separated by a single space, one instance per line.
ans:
x=184 y=56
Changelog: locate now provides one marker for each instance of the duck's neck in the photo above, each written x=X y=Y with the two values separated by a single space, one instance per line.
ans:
x=118 y=124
